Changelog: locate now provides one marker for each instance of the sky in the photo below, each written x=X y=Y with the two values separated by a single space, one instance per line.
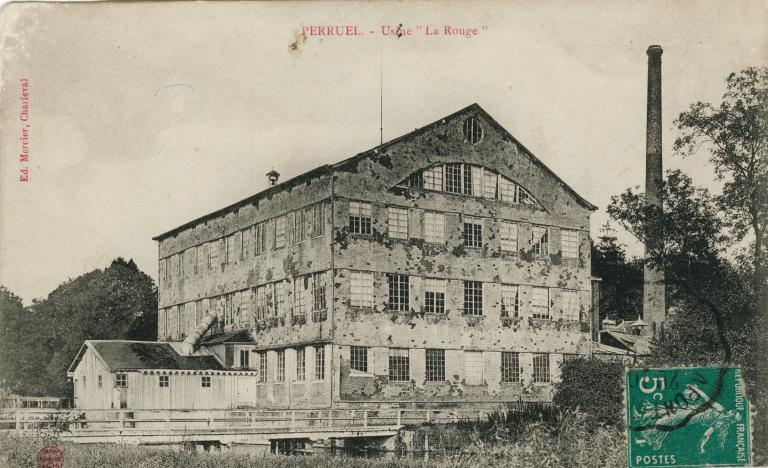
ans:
x=143 y=116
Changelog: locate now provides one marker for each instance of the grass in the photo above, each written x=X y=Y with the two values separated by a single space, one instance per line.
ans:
x=536 y=439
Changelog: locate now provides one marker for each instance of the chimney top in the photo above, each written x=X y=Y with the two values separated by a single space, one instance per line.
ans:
x=655 y=50
x=273 y=175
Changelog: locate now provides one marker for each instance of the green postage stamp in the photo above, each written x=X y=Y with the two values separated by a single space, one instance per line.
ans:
x=690 y=416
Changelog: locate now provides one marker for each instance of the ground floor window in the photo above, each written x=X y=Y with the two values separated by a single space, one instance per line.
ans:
x=205 y=381
x=510 y=367
x=121 y=380
x=541 y=367
x=399 y=365
x=358 y=358
x=319 y=363
x=280 y=377
x=435 y=365
x=164 y=382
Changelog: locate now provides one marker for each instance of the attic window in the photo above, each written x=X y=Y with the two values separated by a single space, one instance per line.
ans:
x=473 y=131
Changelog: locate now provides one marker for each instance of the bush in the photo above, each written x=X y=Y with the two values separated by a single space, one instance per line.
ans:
x=594 y=387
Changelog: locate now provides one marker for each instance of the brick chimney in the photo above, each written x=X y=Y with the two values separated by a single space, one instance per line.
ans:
x=653 y=278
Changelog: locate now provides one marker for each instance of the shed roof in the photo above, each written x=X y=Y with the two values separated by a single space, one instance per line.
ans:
x=120 y=355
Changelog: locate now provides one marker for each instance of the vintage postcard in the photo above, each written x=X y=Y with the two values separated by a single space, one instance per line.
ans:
x=437 y=233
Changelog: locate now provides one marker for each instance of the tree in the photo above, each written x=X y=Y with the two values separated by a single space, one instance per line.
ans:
x=736 y=135
x=119 y=302
x=621 y=289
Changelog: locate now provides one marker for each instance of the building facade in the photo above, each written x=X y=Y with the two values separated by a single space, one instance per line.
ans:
x=447 y=265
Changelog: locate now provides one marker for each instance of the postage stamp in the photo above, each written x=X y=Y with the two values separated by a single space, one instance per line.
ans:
x=694 y=416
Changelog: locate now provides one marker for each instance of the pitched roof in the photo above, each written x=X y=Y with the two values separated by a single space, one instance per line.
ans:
x=327 y=169
x=135 y=355
x=236 y=336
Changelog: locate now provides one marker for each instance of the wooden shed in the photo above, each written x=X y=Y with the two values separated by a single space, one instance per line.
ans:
x=153 y=375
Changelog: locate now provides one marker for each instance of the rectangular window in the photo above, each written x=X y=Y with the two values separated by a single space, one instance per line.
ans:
x=318 y=291
x=298 y=226
x=541 y=367
x=510 y=301
x=229 y=256
x=244 y=236
x=434 y=227
x=280 y=232
x=434 y=296
x=259 y=242
x=361 y=289
x=280 y=377
x=468 y=179
x=281 y=299
x=180 y=264
x=263 y=366
x=473 y=367
x=473 y=298
x=540 y=240
x=99 y=382
x=453 y=177
x=301 y=363
x=571 y=307
x=299 y=298
x=205 y=381
x=510 y=367
x=489 y=184
x=245 y=358
x=213 y=249
x=508 y=236
x=319 y=363
x=264 y=301
x=121 y=380
x=507 y=190
x=399 y=365
x=397 y=225
x=360 y=217
x=358 y=358
x=569 y=243
x=435 y=365
x=163 y=381
x=540 y=303
x=473 y=233
x=398 y=292
x=318 y=220
x=433 y=177
x=193 y=254
x=478 y=178
x=415 y=180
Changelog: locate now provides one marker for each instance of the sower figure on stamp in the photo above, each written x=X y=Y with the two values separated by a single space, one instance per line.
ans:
x=715 y=419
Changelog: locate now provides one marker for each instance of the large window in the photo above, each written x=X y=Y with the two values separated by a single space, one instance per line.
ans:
x=263 y=366
x=398 y=292
x=433 y=178
x=434 y=296
x=299 y=296
x=473 y=232
x=453 y=178
x=358 y=358
x=540 y=240
x=540 y=302
x=318 y=291
x=473 y=367
x=541 y=367
x=473 y=298
x=508 y=236
x=569 y=243
x=301 y=364
x=510 y=367
x=435 y=365
x=229 y=249
x=280 y=377
x=298 y=226
x=264 y=301
x=319 y=363
x=434 y=227
x=571 y=307
x=361 y=289
x=360 y=218
x=510 y=301
x=397 y=224
x=281 y=298
x=399 y=365
x=280 y=232
x=245 y=360
x=259 y=239
x=318 y=220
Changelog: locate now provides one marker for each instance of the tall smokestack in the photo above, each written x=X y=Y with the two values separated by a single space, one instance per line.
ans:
x=653 y=278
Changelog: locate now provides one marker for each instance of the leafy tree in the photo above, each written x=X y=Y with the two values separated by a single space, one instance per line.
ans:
x=621 y=288
x=736 y=135
x=594 y=386
x=119 y=302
